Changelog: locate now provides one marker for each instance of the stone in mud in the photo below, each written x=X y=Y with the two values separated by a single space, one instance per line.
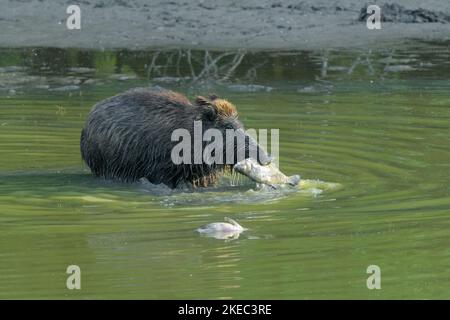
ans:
x=391 y=12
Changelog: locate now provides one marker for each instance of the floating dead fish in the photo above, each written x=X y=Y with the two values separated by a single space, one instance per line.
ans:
x=268 y=174
x=222 y=230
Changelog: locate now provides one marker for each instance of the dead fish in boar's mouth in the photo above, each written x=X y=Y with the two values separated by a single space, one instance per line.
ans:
x=268 y=174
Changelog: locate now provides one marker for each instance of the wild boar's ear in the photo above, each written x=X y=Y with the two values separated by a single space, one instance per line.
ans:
x=213 y=97
x=209 y=113
x=202 y=101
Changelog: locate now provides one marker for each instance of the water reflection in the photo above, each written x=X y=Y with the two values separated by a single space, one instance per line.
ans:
x=67 y=70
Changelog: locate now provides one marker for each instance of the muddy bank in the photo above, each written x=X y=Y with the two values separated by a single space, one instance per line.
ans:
x=221 y=24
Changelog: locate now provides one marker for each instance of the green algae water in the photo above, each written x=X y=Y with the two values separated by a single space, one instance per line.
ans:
x=375 y=123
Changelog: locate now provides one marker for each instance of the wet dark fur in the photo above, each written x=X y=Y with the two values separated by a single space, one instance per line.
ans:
x=128 y=136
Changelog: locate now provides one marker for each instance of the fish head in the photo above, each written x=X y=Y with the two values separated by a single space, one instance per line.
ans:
x=245 y=166
x=236 y=226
